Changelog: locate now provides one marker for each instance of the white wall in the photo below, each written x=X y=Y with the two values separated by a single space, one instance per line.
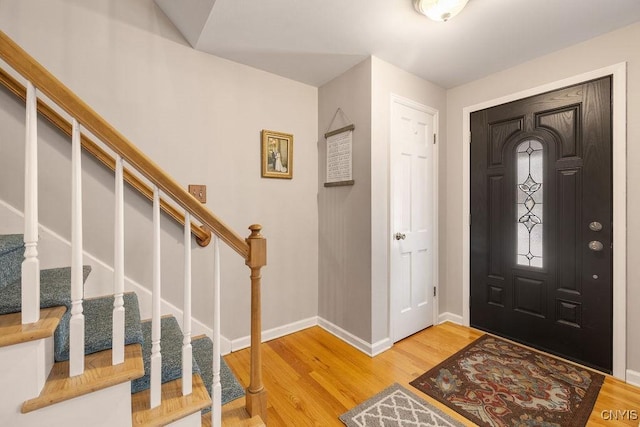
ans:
x=199 y=117
x=388 y=79
x=612 y=48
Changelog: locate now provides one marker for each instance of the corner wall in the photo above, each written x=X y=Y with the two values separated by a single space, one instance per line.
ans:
x=199 y=117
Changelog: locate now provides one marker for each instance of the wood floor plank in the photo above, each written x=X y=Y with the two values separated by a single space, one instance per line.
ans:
x=312 y=377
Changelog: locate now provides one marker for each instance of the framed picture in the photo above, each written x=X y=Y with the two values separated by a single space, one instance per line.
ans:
x=277 y=154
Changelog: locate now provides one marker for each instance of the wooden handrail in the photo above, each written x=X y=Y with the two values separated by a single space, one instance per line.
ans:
x=33 y=71
x=202 y=235
x=253 y=249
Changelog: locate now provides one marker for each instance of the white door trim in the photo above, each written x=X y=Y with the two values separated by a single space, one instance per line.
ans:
x=619 y=123
x=397 y=99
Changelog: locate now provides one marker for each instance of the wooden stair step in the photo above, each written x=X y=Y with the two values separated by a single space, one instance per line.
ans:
x=234 y=414
x=99 y=374
x=12 y=331
x=174 y=405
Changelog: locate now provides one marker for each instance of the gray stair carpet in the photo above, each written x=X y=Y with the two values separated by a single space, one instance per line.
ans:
x=171 y=350
x=203 y=354
x=98 y=334
x=11 y=256
x=55 y=290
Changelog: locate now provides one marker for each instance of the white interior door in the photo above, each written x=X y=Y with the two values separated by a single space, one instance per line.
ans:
x=413 y=130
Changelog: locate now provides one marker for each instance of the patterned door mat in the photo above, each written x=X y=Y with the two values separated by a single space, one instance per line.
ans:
x=493 y=382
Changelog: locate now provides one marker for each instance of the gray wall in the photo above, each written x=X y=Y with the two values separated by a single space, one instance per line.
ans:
x=354 y=228
x=344 y=213
x=199 y=117
x=609 y=49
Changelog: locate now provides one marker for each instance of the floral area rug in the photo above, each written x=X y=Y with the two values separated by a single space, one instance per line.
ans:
x=493 y=382
x=396 y=406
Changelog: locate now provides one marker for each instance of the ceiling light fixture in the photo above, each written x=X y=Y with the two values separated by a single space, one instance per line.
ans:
x=439 y=10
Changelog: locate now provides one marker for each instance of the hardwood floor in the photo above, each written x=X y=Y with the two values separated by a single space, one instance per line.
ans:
x=312 y=377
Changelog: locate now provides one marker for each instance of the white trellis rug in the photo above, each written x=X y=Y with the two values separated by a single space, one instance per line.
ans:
x=397 y=406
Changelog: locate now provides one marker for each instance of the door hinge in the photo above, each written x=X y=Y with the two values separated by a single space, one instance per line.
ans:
x=470 y=220
x=469 y=137
x=434 y=291
x=434 y=138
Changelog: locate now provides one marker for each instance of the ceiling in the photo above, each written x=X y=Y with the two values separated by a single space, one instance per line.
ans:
x=313 y=41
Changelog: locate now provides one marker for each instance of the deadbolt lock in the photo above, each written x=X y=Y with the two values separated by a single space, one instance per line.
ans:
x=595 y=226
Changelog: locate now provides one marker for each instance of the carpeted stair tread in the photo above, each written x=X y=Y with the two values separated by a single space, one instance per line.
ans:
x=98 y=317
x=55 y=290
x=11 y=257
x=171 y=350
x=203 y=354
x=10 y=242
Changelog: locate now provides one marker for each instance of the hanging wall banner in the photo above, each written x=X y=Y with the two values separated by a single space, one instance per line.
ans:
x=339 y=157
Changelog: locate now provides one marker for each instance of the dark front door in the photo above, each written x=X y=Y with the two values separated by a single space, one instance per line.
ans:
x=541 y=222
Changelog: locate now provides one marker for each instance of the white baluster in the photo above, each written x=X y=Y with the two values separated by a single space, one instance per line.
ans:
x=31 y=264
x=118 y=262
x=76 y=324
x=216 y=412
x=156 y=357
x=187 y=352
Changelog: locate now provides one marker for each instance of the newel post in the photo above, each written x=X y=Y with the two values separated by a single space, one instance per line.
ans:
x=256 y=393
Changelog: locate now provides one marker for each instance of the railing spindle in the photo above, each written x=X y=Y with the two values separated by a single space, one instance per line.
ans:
x=118 y=267
x=76 y=324
x=187 y=352
x=31 y=263
x=156 y=357
x=216 y=412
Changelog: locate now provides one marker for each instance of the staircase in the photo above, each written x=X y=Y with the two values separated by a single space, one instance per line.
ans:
x=67 y=360
x=55 y=298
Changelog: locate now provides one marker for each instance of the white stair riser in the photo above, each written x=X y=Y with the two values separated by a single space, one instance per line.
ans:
x=108 y=407
x=193 y=420
x=24 y=369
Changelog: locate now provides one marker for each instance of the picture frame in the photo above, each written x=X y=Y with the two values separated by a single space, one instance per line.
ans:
x=277 y=154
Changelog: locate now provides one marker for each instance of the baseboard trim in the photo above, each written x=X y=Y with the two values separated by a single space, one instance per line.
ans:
x=450 y=317
x=277 y=332
x=633 y=378
x=360 y=344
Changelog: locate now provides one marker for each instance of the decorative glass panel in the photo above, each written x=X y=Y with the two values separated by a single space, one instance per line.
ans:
x=529 y=203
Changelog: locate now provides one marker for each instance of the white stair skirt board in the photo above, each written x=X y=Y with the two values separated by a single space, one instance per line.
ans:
x=86 y=410
x=193 y=420
x=24 y=368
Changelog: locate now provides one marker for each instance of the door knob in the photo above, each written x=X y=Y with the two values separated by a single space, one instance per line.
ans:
x=400 y=236
x=595 y=245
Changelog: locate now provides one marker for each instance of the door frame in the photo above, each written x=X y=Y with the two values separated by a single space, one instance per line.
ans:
x=619 y=149
x=397 y=99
